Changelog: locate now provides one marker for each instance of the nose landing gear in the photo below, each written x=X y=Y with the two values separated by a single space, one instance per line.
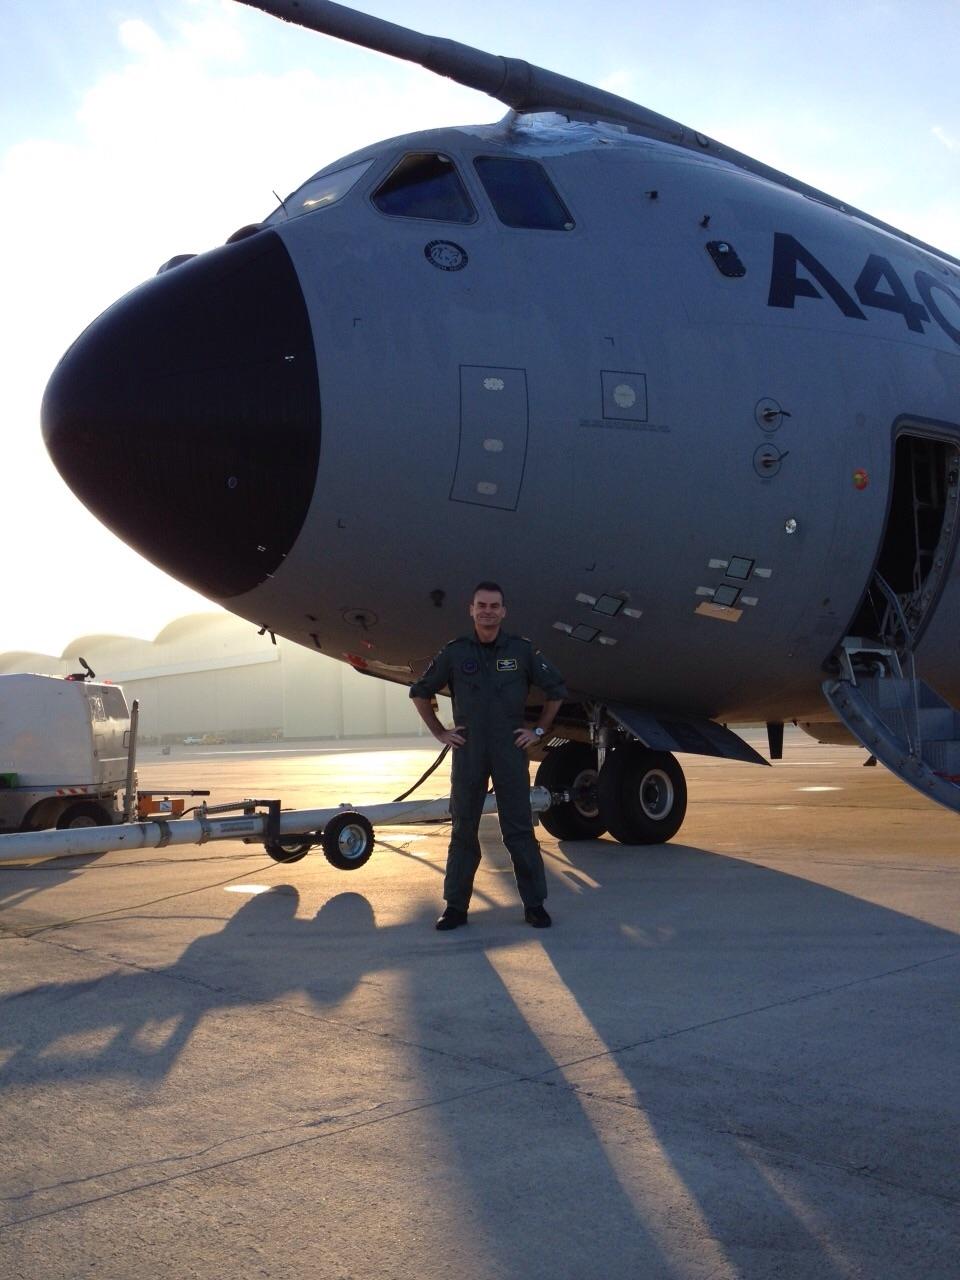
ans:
x=639 y=795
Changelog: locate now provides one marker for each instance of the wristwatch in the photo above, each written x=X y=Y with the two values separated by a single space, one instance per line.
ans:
x=539 y=732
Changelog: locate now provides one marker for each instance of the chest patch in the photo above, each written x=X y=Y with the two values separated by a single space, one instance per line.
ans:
x=470 y=667
x=506 y=664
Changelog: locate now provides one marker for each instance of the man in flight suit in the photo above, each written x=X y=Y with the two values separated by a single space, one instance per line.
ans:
x=488 y=674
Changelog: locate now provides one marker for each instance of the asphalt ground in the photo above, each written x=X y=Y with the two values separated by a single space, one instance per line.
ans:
x=735 y=1055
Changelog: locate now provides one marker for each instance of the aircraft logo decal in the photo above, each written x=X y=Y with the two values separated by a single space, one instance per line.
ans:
x=446 y=255
x=878 y=287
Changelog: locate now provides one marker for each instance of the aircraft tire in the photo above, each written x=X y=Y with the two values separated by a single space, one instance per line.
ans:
x=642 y=794
x=572 y=767
x=84 y=814
x=347 y=841
x=289 y=848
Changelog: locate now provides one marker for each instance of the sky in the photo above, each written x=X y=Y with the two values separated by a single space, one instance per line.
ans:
x=130 y=132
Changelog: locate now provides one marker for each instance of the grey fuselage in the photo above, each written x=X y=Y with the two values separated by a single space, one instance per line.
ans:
x=601 y=414
x=613 y=506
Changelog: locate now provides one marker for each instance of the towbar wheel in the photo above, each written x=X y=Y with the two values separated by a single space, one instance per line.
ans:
x=289 y=848
x=347 y=841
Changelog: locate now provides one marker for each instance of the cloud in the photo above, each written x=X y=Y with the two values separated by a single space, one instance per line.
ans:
x=950 y=142
x=170 y=152
x=173 y=152
x=621 y=82
x=139 y=38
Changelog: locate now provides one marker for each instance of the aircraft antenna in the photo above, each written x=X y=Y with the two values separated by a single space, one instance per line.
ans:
x=527 y=88
x=515 y=83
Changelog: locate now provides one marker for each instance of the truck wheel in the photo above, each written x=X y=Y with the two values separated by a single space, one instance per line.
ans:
x=84 y=814
x=289 y=848
x=347 y=841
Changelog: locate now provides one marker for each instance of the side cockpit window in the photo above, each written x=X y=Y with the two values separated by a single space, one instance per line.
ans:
x=425 y=186
x=522 y=194
x=319 y=192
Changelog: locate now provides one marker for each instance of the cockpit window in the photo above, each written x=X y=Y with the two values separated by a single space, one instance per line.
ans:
x=425 y=186
x=319 y=193
x=522 y=194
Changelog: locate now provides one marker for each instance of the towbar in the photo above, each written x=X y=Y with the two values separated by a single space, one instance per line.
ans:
x=245 y=826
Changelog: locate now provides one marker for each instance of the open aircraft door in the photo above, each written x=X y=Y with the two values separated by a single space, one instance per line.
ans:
x=878 y=694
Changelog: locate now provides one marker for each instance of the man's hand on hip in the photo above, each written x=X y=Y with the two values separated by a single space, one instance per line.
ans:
x=452 y=737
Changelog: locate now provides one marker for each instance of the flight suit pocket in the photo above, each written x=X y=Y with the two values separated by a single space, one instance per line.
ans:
x=468 y=699
x=512 y=694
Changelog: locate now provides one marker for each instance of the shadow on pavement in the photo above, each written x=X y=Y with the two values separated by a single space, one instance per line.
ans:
x=688 y=1043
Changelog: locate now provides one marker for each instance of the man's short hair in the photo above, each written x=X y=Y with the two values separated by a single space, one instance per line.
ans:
x=488 y=586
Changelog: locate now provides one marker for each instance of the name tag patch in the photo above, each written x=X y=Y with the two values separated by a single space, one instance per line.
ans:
x=506 y=664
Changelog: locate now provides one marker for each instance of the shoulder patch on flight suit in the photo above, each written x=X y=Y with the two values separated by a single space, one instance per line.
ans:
x=506 y=664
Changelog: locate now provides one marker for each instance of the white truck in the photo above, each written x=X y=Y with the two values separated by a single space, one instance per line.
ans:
x=64 y=753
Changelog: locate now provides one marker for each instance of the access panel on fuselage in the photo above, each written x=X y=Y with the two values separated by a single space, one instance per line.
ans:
x=494 y=424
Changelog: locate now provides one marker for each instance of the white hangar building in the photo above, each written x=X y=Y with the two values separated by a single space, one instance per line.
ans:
x=211 y=673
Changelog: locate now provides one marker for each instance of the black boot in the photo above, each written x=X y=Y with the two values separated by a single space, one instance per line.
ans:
x=452 y=918
x=537 y=916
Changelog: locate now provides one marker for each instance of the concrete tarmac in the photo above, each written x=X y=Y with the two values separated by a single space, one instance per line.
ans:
x=735 y=1055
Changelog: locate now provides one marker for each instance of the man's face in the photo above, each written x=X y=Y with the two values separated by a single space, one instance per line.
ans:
x=487 y=609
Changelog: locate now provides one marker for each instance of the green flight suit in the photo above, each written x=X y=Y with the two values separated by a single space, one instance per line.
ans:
x=489 y=685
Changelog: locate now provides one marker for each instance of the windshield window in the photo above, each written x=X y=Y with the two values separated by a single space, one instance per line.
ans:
x=425 y=186
x=114 y=703
x=522 y=194
x=319 y=193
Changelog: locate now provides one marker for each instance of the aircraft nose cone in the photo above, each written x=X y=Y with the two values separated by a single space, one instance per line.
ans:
x=187 y=417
